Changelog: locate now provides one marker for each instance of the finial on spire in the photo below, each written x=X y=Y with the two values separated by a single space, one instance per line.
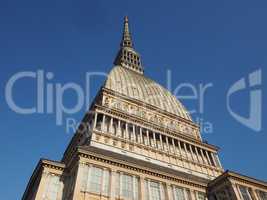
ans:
x=126 y=36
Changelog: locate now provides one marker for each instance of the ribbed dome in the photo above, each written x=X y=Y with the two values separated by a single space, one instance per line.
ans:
x=137 y=86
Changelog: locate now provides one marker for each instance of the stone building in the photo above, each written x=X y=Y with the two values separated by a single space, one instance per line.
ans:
x=138 y=142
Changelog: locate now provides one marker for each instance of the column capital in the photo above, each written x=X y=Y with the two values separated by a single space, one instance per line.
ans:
x=168 y=184
x=142 y=178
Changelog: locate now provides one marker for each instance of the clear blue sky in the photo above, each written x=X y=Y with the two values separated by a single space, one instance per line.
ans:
x=207 y=41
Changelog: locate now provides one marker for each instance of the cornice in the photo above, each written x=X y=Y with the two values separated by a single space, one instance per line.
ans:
x=119 y=163
x=39 y=170
x=53 y=164
x=246 y=179
x=230 y=175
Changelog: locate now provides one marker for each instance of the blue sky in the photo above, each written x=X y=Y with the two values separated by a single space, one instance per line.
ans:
x=217 y=42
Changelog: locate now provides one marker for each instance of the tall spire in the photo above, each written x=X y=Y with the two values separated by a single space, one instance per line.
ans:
x=127 y=57
x=126 y=36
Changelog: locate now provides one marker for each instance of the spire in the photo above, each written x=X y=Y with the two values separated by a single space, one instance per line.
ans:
x=127 y=57
x=126 y=36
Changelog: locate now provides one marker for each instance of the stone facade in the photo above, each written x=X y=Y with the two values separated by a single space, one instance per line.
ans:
x=137 y=142
x=234 y=186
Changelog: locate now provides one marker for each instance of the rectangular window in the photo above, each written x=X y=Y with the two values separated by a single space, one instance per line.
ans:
x=128 y=186
x=189 y=195
x=53 y=187
x=95 y=180
x=178 y=193
x=200 y=196
x=85 y=171
x=155 y=191
x=105 y=182
x=244 y=193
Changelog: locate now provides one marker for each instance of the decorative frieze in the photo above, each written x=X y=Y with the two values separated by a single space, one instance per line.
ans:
x=151 y=116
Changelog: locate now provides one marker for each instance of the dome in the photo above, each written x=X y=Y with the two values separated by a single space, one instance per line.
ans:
x=138 y=87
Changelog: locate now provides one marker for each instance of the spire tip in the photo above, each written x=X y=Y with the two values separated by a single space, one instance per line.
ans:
x=126 y=19
x=126 y=36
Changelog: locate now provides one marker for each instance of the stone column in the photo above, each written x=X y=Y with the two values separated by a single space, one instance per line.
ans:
x=192 y=194
x=174 y=147
x=126 y=136
x=186 y=193
x=218 y=160
x=103 y=123
x=111 y=125
x=214 y=159
x=121 y=174
x=142 y=191
x=134 y=134
x=119 y=128
x=149 y=190
x=134 y=189
x=186 y=152
x=254 y=194
x=206 y=152
x=203 y=157
x=154 y=139
x=167 y=143
x=162 y=191
x=141 y=135
x=147 y=135
x=238 y=192
x=191 y=152
x=102 y=180
x=95 y=120
x=198 y=158
x=179 y=147
x=213 y=172
x=42 y=185
x=161 y=143
x=61 y=189
x=169 y=192
x=77 y=187
x=112 y=186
